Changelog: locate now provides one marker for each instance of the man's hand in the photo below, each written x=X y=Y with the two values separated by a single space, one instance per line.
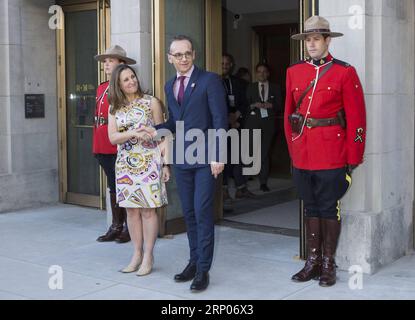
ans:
x=235 y=125
x=165 y=174
x=233 y=121
x=267 y=105
x=232 y=118
x=217 y=168
x=163 y=147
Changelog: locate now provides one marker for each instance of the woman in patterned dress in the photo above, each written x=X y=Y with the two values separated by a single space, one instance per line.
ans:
x=140 y=171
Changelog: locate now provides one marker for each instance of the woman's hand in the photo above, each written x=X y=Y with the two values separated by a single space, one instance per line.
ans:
x=150 y=130
x=141 y=135
x=165 y=174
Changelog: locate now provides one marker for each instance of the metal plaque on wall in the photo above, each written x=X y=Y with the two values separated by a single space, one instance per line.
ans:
x=34 y=106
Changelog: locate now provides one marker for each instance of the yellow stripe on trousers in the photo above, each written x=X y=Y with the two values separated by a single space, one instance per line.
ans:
x=349 y=181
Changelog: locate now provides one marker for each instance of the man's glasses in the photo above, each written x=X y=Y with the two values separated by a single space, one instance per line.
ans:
x=180 y=56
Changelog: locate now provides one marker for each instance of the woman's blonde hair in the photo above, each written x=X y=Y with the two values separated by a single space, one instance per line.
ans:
x=117 y=98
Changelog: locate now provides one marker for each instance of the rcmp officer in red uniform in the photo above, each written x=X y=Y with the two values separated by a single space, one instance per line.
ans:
x=104 y=151
x=325 y=127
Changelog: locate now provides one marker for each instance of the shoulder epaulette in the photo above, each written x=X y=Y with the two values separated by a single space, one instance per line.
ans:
x=342 y=63
x=296 y=63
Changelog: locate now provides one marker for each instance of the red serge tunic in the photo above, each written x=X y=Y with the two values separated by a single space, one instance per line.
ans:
x=331 y=147
x=101 y=142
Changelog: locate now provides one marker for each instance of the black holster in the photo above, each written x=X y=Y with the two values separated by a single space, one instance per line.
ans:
x=296 y=122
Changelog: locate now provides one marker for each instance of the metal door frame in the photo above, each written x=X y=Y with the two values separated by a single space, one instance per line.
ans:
x=102 y=8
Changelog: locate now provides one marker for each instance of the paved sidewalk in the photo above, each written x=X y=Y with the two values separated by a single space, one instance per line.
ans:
x=247 y=265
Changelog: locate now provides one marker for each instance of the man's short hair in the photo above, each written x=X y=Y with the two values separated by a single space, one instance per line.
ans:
x=262 y=64
x=181 y=38
x=229 y=56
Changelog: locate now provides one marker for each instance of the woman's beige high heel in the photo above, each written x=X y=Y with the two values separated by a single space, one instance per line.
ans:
x=132 y=267
x=145 y=269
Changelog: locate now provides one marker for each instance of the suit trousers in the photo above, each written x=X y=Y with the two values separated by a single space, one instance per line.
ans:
x=267 y=126
x=196 y=188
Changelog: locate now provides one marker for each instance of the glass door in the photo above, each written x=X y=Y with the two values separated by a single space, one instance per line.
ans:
x=202 y=23
x=81 y=82
x=82 y=181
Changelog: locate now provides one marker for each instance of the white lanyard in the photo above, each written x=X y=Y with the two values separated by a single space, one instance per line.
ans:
x=311 y=99
x=101 y=100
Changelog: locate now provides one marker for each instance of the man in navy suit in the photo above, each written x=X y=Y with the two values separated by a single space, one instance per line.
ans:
x=198 y=99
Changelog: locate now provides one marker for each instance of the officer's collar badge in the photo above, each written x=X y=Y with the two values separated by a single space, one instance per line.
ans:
x=319 y=62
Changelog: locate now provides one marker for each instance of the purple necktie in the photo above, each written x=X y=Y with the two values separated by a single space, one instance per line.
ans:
x=180 y=95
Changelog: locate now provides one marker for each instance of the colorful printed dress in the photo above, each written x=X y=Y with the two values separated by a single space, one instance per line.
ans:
x=139 y=164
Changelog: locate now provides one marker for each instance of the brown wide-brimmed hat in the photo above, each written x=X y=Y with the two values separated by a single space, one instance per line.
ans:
x=316 y=24
x=115 y=52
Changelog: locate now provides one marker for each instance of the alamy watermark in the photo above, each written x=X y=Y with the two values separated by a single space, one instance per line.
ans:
x=56 y=280
x=233 y=146
x=356 y=21
x=356 y=277
x=56 y=20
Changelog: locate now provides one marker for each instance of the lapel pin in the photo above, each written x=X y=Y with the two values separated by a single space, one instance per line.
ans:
x=193 y=85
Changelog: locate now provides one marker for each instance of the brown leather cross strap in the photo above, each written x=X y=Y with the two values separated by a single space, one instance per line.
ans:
x=323 y=72
x=312 y=123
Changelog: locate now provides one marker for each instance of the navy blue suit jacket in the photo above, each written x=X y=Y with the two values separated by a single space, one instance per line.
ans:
x=204 y=107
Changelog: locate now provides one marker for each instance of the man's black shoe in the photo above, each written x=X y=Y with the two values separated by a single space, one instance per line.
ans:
x=264 y=188
x=187 y=274
x=200 y=282
x=244 y=193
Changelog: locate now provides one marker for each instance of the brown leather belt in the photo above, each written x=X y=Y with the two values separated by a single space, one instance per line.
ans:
x=313 y=123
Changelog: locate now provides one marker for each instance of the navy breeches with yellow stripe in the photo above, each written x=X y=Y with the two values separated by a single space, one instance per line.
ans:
x=321 y=191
